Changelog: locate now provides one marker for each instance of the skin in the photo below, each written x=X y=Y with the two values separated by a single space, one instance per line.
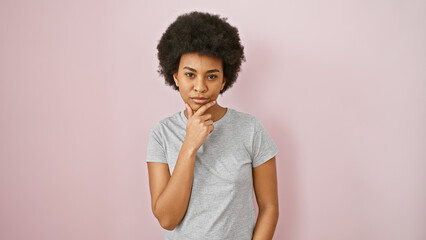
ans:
x=202 y=76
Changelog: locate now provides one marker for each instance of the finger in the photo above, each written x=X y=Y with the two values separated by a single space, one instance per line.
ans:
x=203 y=108
x=189 y=110
x=209 y=122
x=206 y=117
x=211 y=128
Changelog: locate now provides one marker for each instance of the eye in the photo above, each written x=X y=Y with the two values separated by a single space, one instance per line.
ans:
x=190 y=75
x=212 y=77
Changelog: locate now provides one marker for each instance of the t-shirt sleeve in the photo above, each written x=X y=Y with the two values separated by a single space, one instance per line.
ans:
x=264 y=147
x=155 y=150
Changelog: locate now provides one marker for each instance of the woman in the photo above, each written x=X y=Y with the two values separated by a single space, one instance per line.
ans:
x=205 y=161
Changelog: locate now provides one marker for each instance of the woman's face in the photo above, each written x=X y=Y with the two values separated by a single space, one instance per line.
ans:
x=199 y=78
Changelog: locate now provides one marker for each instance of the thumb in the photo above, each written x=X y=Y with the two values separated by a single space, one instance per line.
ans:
x=189 y=110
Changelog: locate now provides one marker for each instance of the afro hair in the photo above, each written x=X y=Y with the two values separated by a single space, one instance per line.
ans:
x=206 y=34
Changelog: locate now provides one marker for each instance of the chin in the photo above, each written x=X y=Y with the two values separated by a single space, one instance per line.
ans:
x=195 y=107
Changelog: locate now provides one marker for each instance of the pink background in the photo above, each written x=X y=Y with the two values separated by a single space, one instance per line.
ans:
x=340 y=86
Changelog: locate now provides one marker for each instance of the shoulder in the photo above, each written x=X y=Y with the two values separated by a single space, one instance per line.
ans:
x=245 y=119
x=170 y=122
x=242 y=115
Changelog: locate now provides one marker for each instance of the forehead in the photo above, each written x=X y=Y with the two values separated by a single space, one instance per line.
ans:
x=200 y=62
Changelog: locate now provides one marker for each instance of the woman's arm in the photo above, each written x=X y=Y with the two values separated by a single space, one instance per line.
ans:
x=265 y=187
x=170 y=194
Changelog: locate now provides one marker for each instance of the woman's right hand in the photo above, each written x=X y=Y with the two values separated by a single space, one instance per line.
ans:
x=199 y=125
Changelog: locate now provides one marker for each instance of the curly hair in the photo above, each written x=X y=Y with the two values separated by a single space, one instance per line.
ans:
x=206 y=34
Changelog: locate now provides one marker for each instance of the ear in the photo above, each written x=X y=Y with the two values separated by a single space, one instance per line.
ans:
x=175 y=78
x=223 y=84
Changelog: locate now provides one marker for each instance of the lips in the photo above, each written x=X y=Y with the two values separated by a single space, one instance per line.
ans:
x=199 y=100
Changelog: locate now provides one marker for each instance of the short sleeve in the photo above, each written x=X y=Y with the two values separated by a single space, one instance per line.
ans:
x=264 y=147
x=155 y=150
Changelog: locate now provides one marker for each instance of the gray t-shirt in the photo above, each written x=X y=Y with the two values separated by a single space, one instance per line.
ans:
x=221 y=205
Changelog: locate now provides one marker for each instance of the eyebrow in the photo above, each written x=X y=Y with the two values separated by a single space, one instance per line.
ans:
x=209 y=71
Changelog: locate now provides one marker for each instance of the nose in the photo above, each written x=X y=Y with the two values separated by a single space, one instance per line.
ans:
x=200 y=85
